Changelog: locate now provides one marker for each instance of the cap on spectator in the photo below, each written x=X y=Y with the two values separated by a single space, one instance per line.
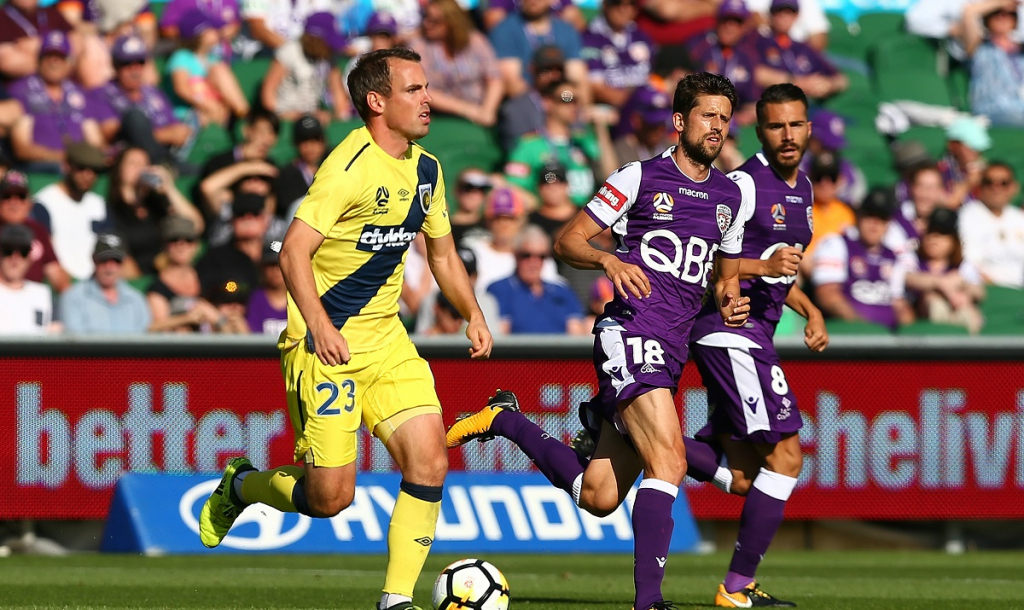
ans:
x=55 y=43
x=504 y=202
x=969 y=132
x=228 y=291
x=878 y=203
x=194 y=22
x=86 y=156
x=468 y=259
x=654 y=107
x=129 y=49
x=271 y=252
x=602 y=289
x=942 y=221
x=174 y=228
x=13 y=182
x=307 y=128
x=551 y=173
x=733 y=9
x=829 y=129
x=108 y=247
x=475 y=179
x=381 y=23
x=324 y=26
x=548 y=57
x=778 y=5
x=906 y=155
x=824 y=165
x=16 y=237
x=247 y=203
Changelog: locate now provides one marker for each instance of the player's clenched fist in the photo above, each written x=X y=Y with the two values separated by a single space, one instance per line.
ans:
x=784 y=262
x=331 y=348
x=734 y=310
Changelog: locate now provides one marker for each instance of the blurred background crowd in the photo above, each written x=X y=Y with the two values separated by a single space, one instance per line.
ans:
x=152 y=154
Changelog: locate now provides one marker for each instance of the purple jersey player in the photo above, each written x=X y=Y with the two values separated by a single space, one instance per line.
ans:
x=676 y=221
x=750 y=445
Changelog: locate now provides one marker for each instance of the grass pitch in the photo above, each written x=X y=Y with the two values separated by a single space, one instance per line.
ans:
x=852 y=580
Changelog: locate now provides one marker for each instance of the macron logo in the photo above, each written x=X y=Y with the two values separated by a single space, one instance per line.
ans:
x=661 y=561
x=375 y=239
x=693 y=193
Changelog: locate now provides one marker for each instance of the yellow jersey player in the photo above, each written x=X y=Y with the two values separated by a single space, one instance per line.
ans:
x=346 y=358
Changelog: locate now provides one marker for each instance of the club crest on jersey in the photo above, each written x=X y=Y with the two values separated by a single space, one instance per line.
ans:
x=724 y=217
x=810 y=219
x=663 y=203
x=426 y=193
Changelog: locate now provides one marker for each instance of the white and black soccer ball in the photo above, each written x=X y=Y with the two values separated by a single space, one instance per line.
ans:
x=471 y=584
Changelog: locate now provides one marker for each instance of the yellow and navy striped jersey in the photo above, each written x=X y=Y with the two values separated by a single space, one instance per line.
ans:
x=369 y=206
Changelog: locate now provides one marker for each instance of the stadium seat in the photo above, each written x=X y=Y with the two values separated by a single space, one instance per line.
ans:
x=1003 y=309
x=928 y=329
x=905 y=68
x=211 y=140
x=855 y=327
x=250 y=76
x=844 y=39
x=875 y=27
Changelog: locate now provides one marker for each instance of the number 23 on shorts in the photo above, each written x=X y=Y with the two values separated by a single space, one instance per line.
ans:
x=328 y=394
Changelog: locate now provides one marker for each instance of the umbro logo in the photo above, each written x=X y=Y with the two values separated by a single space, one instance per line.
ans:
x=403 y=195
x=425 y=541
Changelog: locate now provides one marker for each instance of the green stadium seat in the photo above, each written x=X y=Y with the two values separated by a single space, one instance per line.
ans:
x=905 y=68
x=929 y=329
x=142 y=283
x=37 y=181
x=844 y=39
x=855 y=327
x=1003 y=309
x=250 y=76
x=875 y=27
x=211 y=140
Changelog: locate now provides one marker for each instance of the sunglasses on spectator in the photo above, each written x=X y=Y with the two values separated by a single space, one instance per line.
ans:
x=187 y=240
x=523 y=256
x=10 y=250
x=1001 y=183
x=14 y=195
x=611 y=3
x=469 y=188
x=136 y=62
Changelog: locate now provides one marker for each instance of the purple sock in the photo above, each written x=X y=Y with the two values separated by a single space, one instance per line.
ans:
x=652 y=533
x=556 y=460
x=701 y=459
x=760 y=519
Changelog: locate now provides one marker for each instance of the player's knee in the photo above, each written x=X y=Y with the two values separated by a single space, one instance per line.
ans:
x=431 y=470
x=326 y=504
x=669 y=466
x=740 y=485
x=599 y=502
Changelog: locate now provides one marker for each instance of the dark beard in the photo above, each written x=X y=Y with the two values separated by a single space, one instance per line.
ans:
x=697 y=152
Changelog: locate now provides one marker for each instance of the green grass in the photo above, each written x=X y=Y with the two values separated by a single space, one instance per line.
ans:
x=851 y=580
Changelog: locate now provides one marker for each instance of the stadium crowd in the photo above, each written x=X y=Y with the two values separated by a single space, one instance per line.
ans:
x=134 y=230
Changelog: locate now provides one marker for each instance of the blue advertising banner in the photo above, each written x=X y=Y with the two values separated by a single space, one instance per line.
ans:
x=158 y=514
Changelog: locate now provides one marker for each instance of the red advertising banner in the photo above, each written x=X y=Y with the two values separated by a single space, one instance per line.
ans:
x=882 y=440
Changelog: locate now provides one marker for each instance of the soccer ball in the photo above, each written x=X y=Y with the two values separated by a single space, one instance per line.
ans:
x=471 y=584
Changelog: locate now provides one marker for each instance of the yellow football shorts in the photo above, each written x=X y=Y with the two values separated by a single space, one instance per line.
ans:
x=381 y=389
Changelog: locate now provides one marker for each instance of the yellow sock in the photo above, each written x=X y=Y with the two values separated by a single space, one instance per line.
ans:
x=410 y=535
x=272 y=487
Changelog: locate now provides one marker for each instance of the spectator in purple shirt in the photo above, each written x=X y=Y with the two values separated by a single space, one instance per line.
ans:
x=267 y=310
x=829 y=135
x=23 y=24
x=723 y=52
x=133 y=111
x=617 y=52
x=789 y=61
x=226 y=12
x=55 y=107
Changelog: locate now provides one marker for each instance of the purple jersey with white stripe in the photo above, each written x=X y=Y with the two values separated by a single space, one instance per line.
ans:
x=872 y=279
x=776 y=215
x=618 y=59
x=671 y=227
